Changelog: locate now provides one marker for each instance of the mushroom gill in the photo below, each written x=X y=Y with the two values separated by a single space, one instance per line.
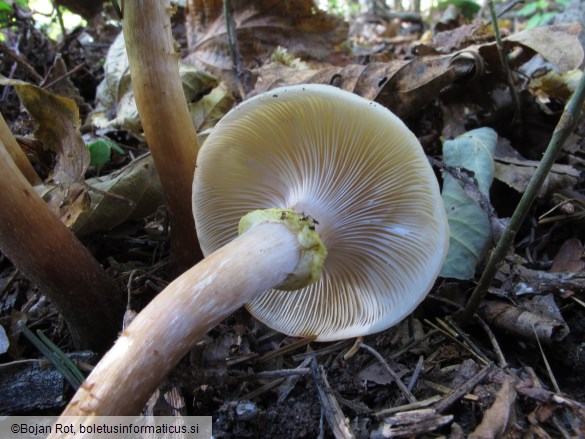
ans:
x=356 y=169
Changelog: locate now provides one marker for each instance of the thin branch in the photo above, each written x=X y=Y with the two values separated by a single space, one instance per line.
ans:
x=504 y=62
x=481 y=358
x=469 y=385
x=502 y=363
x=28 y=69
x=333 y=413
x=407 y=407
x=546 y=363
x=409 y=396
x=416 y=373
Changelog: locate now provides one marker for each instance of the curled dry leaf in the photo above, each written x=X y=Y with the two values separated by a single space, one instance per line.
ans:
x=57 y=120
x=553 y=85
x=208 y=110
x=523 y=322
x=499 y=416
x=558 y=44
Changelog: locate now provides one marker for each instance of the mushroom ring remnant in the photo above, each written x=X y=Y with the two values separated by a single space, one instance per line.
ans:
x=360 y=173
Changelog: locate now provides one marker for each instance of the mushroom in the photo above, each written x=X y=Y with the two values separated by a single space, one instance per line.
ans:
x=356 y=169
x=283 y=167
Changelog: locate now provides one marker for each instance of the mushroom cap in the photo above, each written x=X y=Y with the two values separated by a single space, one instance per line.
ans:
x=360 y=173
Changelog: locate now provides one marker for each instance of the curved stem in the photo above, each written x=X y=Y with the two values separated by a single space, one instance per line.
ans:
x=48 y=254
x=165 y=117
x=184 y=311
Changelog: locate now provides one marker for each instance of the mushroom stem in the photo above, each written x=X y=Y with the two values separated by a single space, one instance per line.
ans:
x=259 y=259
x=48 y=254
x=167 y=124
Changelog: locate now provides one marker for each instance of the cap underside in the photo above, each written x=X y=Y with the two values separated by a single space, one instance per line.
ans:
x=360 y=173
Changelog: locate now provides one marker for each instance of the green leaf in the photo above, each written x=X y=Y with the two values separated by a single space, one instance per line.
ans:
x=546 y=18
x=474 y=151
x=470 y=231
x=100 y=151
x=528 y=9
x=5 y=7
x=533 y=22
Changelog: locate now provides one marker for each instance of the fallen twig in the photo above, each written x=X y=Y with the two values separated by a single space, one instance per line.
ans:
x=495 y=345
x=333 y=413
x=448 y=400
x=406 y=407
x=409 y=396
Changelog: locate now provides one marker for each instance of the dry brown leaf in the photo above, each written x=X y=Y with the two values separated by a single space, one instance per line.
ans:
x=377 y=373
x=57 y=120
x=553 y=85
x=463 y=36
x=558 y=44
x=497 y=418
x=116 y=107
x=422 y=79
x=365 y=81
x=516 y=171
x=402 y=86
x=129 y=193
x=261 y=26
x=569 y=258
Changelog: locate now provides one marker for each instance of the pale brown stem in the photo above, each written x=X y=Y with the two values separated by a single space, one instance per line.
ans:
x=48 y=254
x=17 y=154
x=165 y=116
x=187 y=309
